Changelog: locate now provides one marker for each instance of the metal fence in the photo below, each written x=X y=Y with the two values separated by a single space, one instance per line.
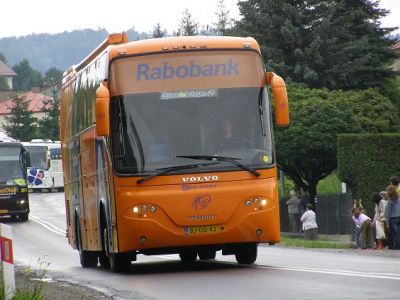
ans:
x=333 y=214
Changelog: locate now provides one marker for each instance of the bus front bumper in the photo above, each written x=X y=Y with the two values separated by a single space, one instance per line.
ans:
x=144 y=234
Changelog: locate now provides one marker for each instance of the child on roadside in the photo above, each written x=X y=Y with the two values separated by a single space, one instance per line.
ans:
x=363 y=222
x=357 y=204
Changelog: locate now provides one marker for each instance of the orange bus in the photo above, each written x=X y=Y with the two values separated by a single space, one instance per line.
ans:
x=167 y=147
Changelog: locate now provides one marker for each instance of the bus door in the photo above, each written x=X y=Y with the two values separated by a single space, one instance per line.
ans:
x=89 y=188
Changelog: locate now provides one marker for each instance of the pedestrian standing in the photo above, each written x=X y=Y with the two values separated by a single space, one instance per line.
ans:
x=392 y=215
x=388 y=241
x=309 y=223
x=379 y=219
x=293 y=210
x=394 y=180
x=305 y=199
x=363 y=222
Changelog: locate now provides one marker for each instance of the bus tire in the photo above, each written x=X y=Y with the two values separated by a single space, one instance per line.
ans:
x=206 y=254
x=103 y=257
x=188 y=256
x=24 y=217
x=246 y=254
x=88 y=259
x=119 y=262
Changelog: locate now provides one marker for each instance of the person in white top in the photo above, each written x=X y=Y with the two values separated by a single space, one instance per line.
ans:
x=309 y=223
x=363 y=222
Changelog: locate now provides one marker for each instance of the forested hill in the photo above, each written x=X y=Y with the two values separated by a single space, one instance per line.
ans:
x=44 y=51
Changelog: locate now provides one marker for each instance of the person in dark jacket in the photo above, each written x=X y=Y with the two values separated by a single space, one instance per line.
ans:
x=392 y=215
x=305 y=199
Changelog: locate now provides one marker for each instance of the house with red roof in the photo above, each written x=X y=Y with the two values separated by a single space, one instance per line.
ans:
x=36 y=105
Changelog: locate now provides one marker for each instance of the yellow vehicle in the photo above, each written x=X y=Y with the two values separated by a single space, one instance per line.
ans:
x=167 y=147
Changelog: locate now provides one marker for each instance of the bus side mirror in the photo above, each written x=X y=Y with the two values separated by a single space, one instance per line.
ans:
x=280 y=98
x=103 y=110
x=27 y=158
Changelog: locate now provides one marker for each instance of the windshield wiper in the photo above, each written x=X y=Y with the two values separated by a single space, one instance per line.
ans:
x=232 y=160
x=166 y=170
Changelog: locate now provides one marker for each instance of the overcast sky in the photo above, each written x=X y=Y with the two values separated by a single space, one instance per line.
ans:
x=23 y=17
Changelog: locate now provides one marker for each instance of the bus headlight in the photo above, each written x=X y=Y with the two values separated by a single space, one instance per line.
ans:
x=21 y=202
x=264 y=202
x=135 y=209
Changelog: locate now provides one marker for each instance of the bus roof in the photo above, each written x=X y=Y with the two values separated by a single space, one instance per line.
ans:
x=183 y=43
x=117 y=45
x=11 y=144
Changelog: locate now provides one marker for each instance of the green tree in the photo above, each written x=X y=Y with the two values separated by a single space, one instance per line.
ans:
x=307 y=150
x=49 y=125
x=158 y=32
x=336 y=44
x=53 y=78
x=224 y=22
x=187 y=25
x=20 y=124
x=26 y=76
x=3 y=58
x=367 y=161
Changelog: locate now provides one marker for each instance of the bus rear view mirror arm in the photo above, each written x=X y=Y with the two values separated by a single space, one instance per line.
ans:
x=280 y=98
x=103 y=110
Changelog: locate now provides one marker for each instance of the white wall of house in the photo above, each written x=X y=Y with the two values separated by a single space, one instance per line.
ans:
x=9 y=82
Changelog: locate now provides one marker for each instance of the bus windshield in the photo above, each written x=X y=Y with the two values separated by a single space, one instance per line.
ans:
x=38 y=156
x=11 y=166
x=224 y=113
x=55 y=153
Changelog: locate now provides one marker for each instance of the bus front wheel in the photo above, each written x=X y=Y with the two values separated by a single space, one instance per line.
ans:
x=206 y=254
x=24 y=217
x=246 y=254
x=118 y=262
x=188 y=256
x=88 y=259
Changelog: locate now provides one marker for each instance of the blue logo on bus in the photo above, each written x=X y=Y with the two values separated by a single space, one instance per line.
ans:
x=35 y=176
x=191 y=70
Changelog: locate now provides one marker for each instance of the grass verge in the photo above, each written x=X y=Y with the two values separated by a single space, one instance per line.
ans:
x=300 y=242
x=33 y=283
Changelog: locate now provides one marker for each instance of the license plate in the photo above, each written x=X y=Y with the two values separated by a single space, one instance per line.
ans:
x=3 y=211
x=8 y=191
x=201 y=230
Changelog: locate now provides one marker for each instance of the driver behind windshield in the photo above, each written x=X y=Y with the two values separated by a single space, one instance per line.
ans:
x=229 y=140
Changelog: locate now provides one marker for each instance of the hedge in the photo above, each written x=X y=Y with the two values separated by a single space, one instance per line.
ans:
x=366 y=162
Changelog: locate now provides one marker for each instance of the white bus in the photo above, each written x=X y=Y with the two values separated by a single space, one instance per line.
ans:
x=45 y=172
x=38 y=176
x=55 y=168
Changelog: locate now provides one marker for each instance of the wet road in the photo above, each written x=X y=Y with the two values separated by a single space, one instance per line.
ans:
x=280 y=273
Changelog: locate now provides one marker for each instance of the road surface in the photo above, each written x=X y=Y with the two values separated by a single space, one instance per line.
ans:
x=279 y=273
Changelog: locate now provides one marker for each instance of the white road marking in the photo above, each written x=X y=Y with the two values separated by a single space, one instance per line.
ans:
x=170 y=256
x=392 y=276
x=47 y=225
